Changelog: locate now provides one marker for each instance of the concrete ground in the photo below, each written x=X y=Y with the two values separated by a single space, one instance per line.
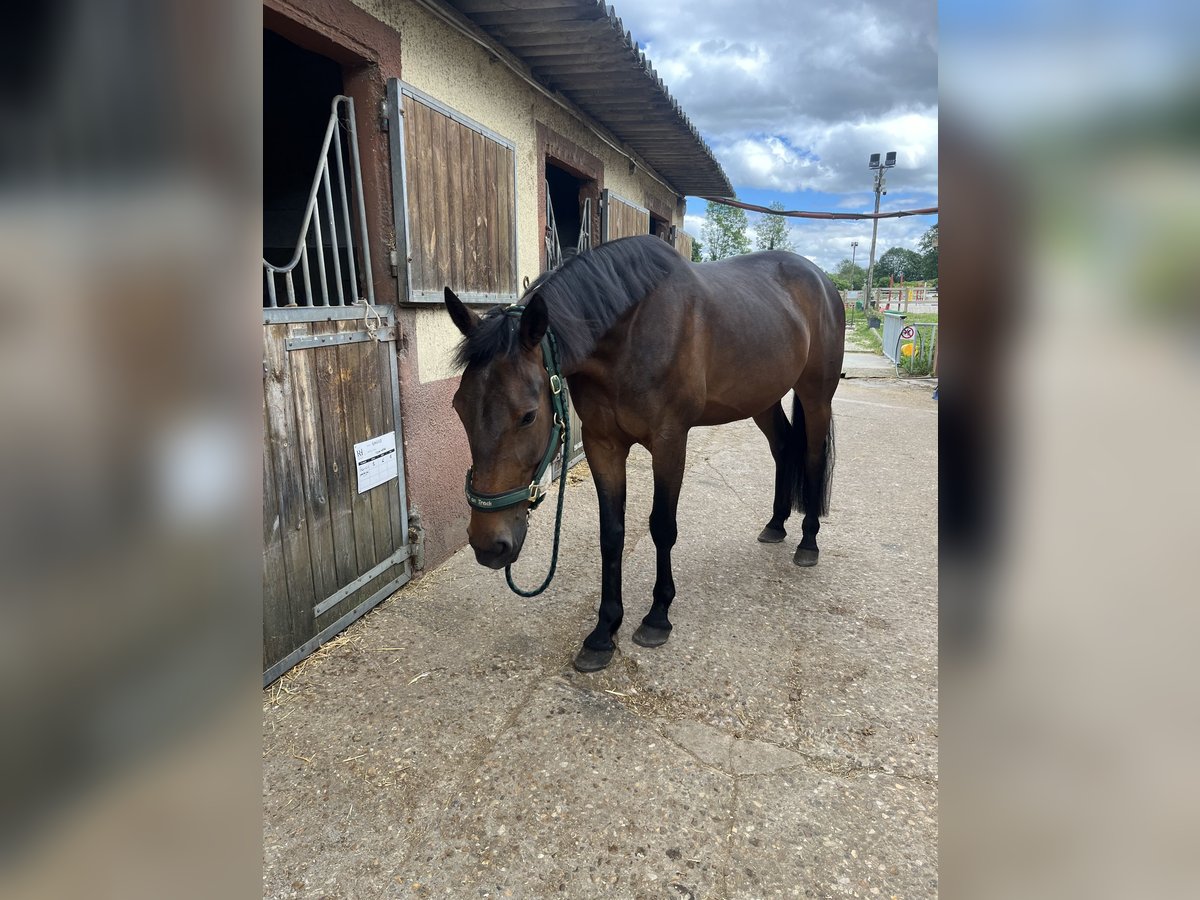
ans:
x=862 y=360
x=783 y=743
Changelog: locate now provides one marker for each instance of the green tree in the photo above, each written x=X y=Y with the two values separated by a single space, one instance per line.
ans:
x=854 y=275
x=724 y=231
x=929 y=252
x=771 y=233
x=899 y=262
x=697 y=251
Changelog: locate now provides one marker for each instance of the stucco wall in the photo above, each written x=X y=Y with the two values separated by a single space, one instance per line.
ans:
x=445 y=64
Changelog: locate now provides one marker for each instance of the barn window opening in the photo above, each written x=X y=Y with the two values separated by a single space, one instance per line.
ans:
x=660 y=228
x=568 y=215
x=299 y=91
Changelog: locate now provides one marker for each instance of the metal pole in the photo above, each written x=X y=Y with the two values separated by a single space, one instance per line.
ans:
x=874 y=234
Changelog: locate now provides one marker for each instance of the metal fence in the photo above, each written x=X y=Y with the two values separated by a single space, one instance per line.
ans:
x=921 y=337
x=327 y=219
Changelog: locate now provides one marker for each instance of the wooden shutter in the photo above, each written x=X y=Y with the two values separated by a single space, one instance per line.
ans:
x=454 y=194
x=622 y=218
x=683 y=243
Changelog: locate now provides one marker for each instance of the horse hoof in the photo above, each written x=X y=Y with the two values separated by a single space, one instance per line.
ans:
x=771 y=535
x=649 y=636
x=805 y=557
x=589 y=660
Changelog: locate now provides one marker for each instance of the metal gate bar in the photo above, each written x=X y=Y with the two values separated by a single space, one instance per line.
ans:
x=322 y=221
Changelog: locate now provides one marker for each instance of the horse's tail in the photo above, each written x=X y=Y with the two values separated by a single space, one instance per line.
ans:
x=808 y=494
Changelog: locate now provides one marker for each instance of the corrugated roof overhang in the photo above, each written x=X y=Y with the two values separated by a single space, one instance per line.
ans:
x=579 y=49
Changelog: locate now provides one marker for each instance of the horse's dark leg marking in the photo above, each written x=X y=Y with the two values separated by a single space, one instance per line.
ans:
x=774 y=424
x=669 y=459
x=818 y=414
x=607 y=462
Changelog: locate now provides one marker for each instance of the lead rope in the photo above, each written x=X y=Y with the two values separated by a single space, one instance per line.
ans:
x=562 y=494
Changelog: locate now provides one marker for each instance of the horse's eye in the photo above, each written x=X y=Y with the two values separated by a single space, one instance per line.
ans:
x=528 y=418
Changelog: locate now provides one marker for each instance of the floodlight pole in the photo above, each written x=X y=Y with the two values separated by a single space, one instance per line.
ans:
x=853 y=251
x=874 y=233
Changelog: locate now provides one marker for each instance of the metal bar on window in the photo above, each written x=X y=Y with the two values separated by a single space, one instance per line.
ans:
x=320 y=238
x=341 y=171
x=308 y=294
x=323 y=219
x=312 y=196
x=333 y=236
x=356 y=170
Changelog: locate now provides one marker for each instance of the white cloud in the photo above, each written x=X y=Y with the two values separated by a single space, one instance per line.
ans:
x=799 y=100
x=818 y=156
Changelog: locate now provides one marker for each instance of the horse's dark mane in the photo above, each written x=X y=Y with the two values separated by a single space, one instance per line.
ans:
x=584 y=298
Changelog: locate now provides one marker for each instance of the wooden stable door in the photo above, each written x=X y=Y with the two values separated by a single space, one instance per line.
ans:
x=335 y=517
x=335 y=526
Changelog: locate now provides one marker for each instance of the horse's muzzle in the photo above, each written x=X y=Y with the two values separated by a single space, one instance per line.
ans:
x=496 y=538
x=497 y=556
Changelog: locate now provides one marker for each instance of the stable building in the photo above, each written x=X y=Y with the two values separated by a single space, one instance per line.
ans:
x=410 y=145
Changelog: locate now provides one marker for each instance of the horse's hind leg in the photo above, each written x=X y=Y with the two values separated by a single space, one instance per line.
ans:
x=669 y=457
x=774 y=424
x=817 y=413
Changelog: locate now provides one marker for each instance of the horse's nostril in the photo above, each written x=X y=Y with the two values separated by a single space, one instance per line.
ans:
x=501 y=548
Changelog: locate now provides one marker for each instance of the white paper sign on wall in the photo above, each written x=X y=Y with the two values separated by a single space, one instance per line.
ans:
x=376 y=461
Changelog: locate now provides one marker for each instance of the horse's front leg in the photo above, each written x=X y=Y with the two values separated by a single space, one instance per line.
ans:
x=607 y=462
x=669 y=458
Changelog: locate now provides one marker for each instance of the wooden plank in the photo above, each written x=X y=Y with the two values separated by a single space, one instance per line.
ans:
x=429 y=199
x=357 y=430
x=285 y=461
x=441 y=178
x=489 y=202
x=475 y=213
x=512 y=18
x=586 y=68
x=476 y=6
x=339 y=458
x=277 y=613
x=398 y=528
x=312 y=464
x=537 y=34
x=683 y=243
x=412 y=163
x=597 y=47
x=371 y=396
x=452 y=154
x=505 y=219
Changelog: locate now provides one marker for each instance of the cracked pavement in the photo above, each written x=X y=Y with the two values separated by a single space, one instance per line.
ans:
x=783 y=743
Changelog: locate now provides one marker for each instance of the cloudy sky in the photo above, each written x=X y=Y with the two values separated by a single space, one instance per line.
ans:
x=794 y=97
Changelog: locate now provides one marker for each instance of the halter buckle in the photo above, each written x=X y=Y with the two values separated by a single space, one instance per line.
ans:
x=533 y=492
x=555 y=384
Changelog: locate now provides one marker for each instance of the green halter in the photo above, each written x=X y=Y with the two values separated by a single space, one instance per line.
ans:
x=558 y=435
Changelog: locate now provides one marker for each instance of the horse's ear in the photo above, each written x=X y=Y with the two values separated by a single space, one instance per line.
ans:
x=534 y=322
x=464 y=319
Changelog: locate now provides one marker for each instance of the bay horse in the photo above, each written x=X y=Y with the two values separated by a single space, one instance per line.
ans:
x=650 y=345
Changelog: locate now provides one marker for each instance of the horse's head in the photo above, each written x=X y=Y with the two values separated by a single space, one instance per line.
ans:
x=505 y=403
